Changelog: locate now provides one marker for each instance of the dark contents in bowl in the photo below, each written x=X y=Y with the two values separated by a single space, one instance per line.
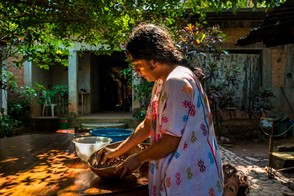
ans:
x=106 y=170
x=110 y=163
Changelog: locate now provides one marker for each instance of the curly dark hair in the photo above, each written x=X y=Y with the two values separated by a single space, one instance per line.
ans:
x=153 y=42
x=230 y=171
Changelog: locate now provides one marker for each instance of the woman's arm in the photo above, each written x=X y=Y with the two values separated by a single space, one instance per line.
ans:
x=166 y=145
x=140 y=134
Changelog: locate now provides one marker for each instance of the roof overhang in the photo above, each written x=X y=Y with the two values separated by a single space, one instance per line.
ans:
x=276 y=29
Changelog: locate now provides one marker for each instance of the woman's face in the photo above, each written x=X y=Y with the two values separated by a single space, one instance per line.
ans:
x=145 y=69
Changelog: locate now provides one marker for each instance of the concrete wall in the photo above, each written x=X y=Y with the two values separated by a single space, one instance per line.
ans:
x=281 y=71
x=277 y=64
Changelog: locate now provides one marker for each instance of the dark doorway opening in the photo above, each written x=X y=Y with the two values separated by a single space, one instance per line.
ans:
x=114 y=90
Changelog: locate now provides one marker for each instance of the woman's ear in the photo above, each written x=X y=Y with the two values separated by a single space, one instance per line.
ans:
x=154 y=64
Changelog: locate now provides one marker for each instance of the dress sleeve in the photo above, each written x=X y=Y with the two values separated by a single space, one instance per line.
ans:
x=177 y=105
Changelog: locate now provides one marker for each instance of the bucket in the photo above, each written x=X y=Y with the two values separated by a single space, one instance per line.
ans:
x=116 y=134
x=63 y=123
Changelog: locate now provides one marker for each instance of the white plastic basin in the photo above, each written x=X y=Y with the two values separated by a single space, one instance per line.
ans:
x=85 y=146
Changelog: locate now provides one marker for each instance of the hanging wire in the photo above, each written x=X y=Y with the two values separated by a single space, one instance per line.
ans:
x=266 y=125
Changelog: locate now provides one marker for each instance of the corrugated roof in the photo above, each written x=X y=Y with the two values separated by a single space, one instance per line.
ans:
x=277 y=27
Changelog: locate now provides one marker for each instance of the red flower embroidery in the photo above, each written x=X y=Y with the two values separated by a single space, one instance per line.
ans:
x=192 y=110
x=178 y=178
x=154 y=190
x=158 y=137
x=168 y=182
x=164 y=119
x=185 y=146
x=187 y=104
x=211 y=192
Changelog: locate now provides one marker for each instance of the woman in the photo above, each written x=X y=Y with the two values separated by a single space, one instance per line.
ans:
x=184 y=156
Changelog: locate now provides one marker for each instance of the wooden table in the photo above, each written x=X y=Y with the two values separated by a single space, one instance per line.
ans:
x=46 y=164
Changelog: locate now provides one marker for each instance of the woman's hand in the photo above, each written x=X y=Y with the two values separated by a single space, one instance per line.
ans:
x=106 y=153
x=130 y=164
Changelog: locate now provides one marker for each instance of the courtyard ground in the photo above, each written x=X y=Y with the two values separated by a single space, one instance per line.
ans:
x=249 y=146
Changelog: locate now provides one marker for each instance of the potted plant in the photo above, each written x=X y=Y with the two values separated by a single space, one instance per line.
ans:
x=60 y=93
x=46 y=98
x=56 y=98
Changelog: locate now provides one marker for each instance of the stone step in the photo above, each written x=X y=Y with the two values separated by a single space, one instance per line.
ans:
x=282 y=160
x=285 y=148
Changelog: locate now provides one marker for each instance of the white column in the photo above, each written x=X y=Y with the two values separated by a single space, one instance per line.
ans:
x=28 y=78
x=72 y=83
x=3 y=94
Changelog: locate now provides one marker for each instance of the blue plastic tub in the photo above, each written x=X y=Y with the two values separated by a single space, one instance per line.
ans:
x=116 y=134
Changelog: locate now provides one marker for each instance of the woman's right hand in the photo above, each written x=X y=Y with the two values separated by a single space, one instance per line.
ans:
x=106 y=153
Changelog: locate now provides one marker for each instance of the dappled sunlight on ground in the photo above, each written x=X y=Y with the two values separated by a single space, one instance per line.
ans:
x=51 y=173
x=46 y=164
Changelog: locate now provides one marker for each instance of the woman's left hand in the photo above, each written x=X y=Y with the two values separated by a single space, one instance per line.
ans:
x=130 y=164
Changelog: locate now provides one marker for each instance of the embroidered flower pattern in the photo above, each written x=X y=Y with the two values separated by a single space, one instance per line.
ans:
x=204 y=130
x=157 y=137
x=181 y=111
x=189 y=173
x=198 y=102
x=176 y=154
x=185 y=146
x=152 y=166
x=185 y=118
x=210 y=157
x=154 y=190
x=192 y=110
x=219 y=186
x=201 y=165
x=154 y=109
x=211 y=192
x=187 y=104
x=163 y=97
x=168 y=182
x=193 y=137
x=182 y=131
x=164 y=119
x=178 y=178
x=187 y=89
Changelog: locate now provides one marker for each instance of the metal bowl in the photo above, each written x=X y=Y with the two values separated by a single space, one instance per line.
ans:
x=107 y=172
x=85 y=146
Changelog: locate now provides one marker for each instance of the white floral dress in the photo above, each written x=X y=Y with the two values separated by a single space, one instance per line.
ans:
x=179 y=107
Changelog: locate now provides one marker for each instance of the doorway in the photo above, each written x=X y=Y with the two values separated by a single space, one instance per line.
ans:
x=112 y=89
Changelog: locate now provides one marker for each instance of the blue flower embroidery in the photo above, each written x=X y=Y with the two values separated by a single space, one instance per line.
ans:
x=210 y=158
x=177 y=154
x=198 y=101
x=152 y=166
x=185 y=118
x=215 y=144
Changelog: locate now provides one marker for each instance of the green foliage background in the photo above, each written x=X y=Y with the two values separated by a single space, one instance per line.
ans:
x=42 y=31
